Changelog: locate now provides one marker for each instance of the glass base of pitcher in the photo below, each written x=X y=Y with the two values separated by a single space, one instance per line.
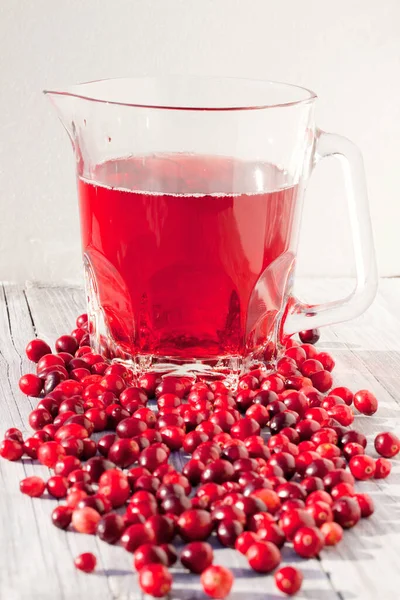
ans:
x=227 y=369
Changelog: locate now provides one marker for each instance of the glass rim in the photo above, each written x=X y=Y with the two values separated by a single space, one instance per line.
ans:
x=307 y=95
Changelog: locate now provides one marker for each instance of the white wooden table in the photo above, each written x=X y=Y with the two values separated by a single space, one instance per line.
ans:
x=36 y=559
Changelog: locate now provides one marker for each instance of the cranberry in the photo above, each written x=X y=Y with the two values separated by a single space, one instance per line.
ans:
x=84 y=520
x=342 y=489
x=292 y=520
x=344 y=393
x=245 y=428
x=49 y=453
x=227 y=533
x=217 y=581
x=30 y=447
x=387 y=444
x=155 y=580
x=362 y=467
x=308 y=542
x=173 y=437
x=36 y=349
x=32 y=486
x=346 y=512
x=365 y=402
x=245 y=540
x=67 y=343
x=175 y=505
x=124 y=452
x=288 y=580
x=337 y=476
x=285 y=461
x=153 y=457
x=366 y=504
x=353 y=436
x=271 y=532
x=332 y=533
x=218 y=471
x=149 y=554
x=96 y=466
x=113 y=484
x=195 y=525
x=161 y=528
x=270 y=499
x=352 y=449
x=259 y=521
x=311 y=366
x=263 y=557
x=61 y=516
x=319 y=467
x=320 y=511
x=31 y=385
x=86 y=562
x=207 y=452
x=326 y=360
x=172 y=555
x=282 y=420
x=309 y=336
x=322 y=380
x=89 y=449
x=197 y=556
x=193 y=470
x=57 y=486
x=383 y=468
x=312 y=484
x=11 y=450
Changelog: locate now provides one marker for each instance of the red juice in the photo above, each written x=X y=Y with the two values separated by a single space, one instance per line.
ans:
x=189 y=257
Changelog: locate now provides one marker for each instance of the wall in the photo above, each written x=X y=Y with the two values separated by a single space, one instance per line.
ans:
x=348 y=51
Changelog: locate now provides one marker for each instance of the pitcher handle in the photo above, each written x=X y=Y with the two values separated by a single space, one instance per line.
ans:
x=308 y=316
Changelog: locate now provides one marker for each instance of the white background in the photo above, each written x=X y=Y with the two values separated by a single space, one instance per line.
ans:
x=348 y=51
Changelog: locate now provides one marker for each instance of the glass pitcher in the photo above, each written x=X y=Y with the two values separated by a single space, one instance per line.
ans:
x=190 y=193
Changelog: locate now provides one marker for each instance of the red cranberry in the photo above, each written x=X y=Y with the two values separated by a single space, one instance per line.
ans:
x=346 y=512
x=124 y=452
x=308 y=542
x=57 y=486
x=285 y=461
x=270 y=499
x=263 y=557
x=36 y=349
x=175 y=505
x=130 y=427
x=292 y=520
x=86 y=562
x=49 y=453
x=110 y=528
x=217 y=581
x=134 y=536
x=113 y=484
x=61 y=516
x=342 y=489
x=155 y=580
x=195 y=525
x=172 y=555
x=227 y=533
x=332 y=533
x=207 y=452
x=218 y=471
x=353 y=436
x=288 y=580
x=30 y=447
x=319 y=467
x=311 y=366
x=365 y=402
x=290 y=490
x=383 y=468
x=32 y=486
x=259 y=521
x=153 y=457
x=245 y=428
x=337 y=476
x=197 y=557
x=366 y=505
x=161 y=528
x=312 y=484
x=310 y=336
x=344 y=393
x=84 y=520
x=322 y=380
x=11 y=450
x=387 y=444
x=245 y=540
x=31 y=385
x=282 y=420
x=149 y=554
x=96 y=466
x=362 y=467
x=271 y=532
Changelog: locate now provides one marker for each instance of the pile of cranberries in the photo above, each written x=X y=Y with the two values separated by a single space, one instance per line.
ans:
x=274 y=463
